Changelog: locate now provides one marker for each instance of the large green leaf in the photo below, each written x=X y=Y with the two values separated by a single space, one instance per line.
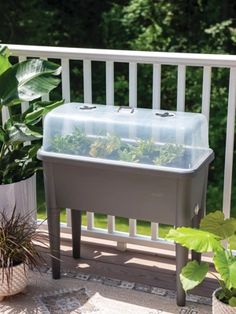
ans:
x=3 y=135
x=232 y=242
x=225 y=264
x=193 y=274
x=33 y=116
x=195 y=239
x=39 y=109
x=4 y=62
x=27 y=81
x=20 y=132
x=215 y=223
x=32 y=152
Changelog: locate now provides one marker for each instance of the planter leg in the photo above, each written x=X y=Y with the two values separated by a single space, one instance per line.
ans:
x=199 y=215
x=181 y=260
x=54 y=239
x=195 y=224
x=76 y=231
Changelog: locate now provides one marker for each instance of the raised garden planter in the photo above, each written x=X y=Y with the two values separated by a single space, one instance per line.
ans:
x=135 y=163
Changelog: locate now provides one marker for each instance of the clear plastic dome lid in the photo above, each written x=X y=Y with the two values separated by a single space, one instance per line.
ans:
x=122 y=135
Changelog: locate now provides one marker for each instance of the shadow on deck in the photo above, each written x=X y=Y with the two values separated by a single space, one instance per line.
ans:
x=146 y=267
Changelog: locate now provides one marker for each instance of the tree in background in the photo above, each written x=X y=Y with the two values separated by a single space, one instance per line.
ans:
x=181 y=26
x=52 y=22
x=165 y=25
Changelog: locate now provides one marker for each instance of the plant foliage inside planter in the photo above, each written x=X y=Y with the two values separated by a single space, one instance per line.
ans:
x=217 y=235
x=113 y=147
x=24 y=81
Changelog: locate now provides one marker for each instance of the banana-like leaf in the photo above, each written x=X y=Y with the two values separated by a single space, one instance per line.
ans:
x=232 y=242
x=34 y=116
x=215 y=223
x=39 y=109
x=20 y=132
x=225 y=264
x=193 y=274
x=3 y=135
x=195 y=239
x=4 y=62
x=27 y=151
x=32 y=152
x=28 y=80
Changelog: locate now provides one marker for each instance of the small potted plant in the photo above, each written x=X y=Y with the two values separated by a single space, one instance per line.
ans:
x=25 y=81
x=216 y=235
x=18 y=252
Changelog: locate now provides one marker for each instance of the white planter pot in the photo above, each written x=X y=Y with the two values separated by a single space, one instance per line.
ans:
x=219 y=307
x=17 y=283
x=20 y=195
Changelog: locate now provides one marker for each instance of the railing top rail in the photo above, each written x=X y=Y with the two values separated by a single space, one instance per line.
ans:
x=168 y=58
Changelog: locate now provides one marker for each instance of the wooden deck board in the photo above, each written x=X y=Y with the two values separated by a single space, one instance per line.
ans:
x=133 y=266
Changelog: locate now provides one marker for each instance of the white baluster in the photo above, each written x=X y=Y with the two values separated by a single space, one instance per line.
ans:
x=229 y=150
x=133 y=84
x=132 y=227
x=206 y=91
x=90 y=220
x=156 y=86
x=154 y=231
x=87 y=81
x=88 y=99
x=111 y=223
x=110 y=83
x=65 y=81
x=181 y=88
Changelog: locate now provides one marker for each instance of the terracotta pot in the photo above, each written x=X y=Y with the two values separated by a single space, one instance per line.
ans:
x=219 y=307
x=20 y=195
x=18 y=281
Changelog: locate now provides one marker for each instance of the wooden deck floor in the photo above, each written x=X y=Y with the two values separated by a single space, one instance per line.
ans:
x=146 y=267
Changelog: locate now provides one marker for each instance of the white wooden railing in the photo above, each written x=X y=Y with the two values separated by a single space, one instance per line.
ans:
x=133 y=58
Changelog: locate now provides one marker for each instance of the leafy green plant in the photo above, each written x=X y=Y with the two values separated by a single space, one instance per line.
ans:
x=23 y=81
x=128 y=154
x=217 y=235
x=168 y=153
x=112 y=147
x=18 y=236
x=75 y=143
x=145 y=149
x=105 y=146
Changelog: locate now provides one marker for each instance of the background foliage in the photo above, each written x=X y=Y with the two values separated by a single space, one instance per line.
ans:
x=165 y=25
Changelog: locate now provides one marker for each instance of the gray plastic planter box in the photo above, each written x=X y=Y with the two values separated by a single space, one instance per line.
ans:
x=163 y=181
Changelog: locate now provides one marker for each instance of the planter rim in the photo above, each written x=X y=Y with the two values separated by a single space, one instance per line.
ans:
x=17 y=182
x=14 y=266
x=20 y=265
x=225 y=304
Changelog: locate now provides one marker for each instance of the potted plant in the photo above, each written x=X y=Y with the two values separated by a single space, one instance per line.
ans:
x=23 y=81
x=216 y=235
x=18 y=252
